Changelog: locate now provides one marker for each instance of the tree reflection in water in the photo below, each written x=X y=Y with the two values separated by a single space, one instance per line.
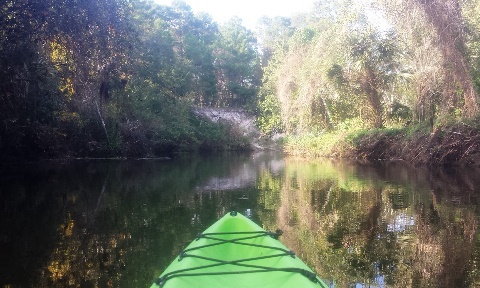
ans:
x=119 y=223
x=381 y=226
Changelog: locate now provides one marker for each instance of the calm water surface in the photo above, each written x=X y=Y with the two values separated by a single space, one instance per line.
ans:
x=119 y=223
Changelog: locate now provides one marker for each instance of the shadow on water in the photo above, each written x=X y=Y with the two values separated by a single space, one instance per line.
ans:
x=119 y=223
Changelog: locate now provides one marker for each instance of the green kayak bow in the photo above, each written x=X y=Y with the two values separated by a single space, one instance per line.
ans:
x=236 y=252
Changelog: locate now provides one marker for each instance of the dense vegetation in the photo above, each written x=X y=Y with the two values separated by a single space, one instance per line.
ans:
x=117 y=78
x=120 y=78
x=406 y=67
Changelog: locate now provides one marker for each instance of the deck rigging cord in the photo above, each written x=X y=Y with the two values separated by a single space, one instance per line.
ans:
x=242 y=236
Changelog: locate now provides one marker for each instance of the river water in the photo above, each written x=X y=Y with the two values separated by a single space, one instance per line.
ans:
x=119 y=223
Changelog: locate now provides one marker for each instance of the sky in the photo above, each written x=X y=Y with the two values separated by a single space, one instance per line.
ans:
x=248 y=10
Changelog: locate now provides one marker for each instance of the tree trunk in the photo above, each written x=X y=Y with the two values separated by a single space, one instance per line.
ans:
x=374 y=98
x=103 y=122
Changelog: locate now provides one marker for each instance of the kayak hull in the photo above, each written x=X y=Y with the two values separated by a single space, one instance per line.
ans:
x=236 y=252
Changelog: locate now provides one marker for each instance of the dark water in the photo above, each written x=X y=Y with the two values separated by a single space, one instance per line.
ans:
x=119 y=223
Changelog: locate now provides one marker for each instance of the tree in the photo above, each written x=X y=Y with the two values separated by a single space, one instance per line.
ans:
x=470 y=12
x=273 y=36
x=298 y=73
x=93 y=40
x=237 y=65
x=447 y=20
x=435 y=39
x=199 y=47
x=82 y=45
x=372 y=68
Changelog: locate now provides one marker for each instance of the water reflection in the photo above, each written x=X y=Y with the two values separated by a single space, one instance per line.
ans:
x=381 y=226
x=244 y=175
x=119 y=223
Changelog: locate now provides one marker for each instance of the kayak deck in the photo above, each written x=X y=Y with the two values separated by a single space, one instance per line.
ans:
x=236 y=252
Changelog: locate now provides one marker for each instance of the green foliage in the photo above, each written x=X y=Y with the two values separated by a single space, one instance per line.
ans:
x=303 y=36
x=373 y=67
x=352 y=125
x=470 y=12
x=335 y=68
x=200 y=54
x=117 y=78
x=268 y=119
x=336 y=74
x=237 y=66
x=319 y=145
x=399 y=112
x=357 y=136
x=114 y=77
x=28 y=95
x=340 y=74
x=274 y=34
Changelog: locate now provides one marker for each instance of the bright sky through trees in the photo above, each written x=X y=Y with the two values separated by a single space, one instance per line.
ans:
x=248 y=10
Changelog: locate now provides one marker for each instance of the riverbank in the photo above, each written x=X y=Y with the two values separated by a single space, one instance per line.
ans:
x=217 y=129
x=142 y=138
x=450 y=145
